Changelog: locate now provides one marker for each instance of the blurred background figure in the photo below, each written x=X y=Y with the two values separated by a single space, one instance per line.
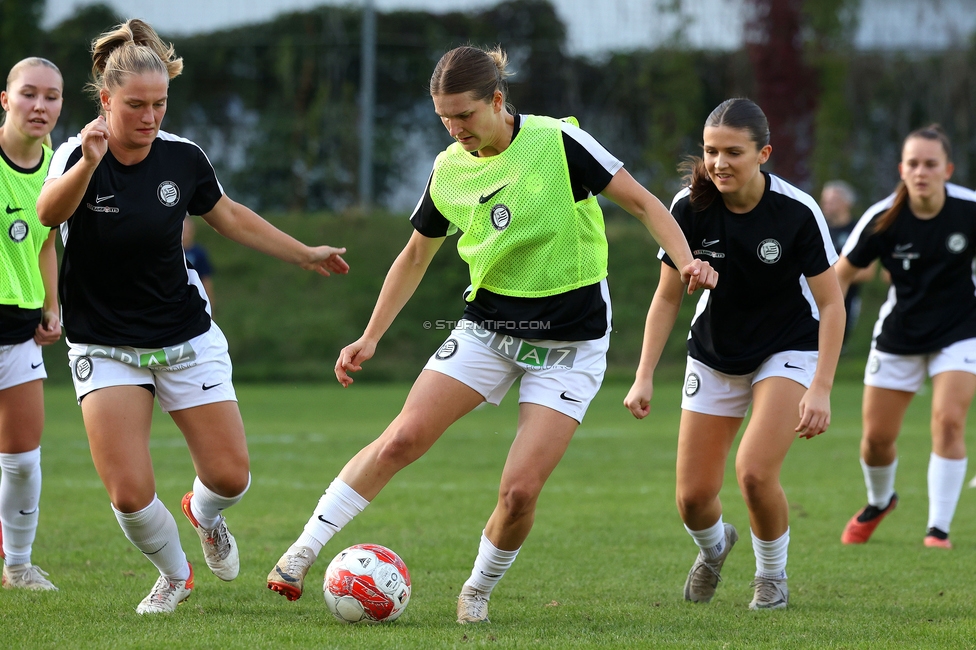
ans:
x=197 y=257
x=837 y=200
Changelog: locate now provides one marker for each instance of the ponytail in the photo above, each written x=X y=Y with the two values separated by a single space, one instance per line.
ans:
x=695 y=177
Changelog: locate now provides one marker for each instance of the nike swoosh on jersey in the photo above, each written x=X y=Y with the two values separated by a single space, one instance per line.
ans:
x=205 y=387
x=12 y=210
x=902 y=247
x=485 y=199
x=706 y=243
x=36 y=366
x=787 y=365
x=99 y=199
x=563 y=395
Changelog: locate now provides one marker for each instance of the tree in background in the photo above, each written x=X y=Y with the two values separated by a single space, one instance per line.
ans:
x=20 y=30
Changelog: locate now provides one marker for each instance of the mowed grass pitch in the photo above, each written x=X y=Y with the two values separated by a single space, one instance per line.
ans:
x=604 y=566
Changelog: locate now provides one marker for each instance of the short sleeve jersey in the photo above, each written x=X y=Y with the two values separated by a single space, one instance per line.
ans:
x=124 y=277
x=23 y=234
x=932 y=300
x=762 y=303
x=578 y=315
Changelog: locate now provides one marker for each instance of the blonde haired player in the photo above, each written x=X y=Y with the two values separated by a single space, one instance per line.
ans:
x=137 y=318
x=29 y=315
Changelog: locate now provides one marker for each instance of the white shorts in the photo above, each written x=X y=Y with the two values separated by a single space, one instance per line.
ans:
x=907 y=371
x=189 y=374
x=21 y=363
x=562 y=375
x=712 y=392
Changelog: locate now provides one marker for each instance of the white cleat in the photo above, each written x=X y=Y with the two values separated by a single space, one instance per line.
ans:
x=472 y=606
x=26 y=576
x=219 y=546
x=166 y=594
x=288 y=576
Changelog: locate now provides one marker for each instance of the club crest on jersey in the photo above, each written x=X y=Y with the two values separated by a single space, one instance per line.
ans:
x=447 y=350
x=18 y=231
x=956 y=243
x=168 y=193
x=874 y=365
x=692 y=384
x=83 y=368
x=501 y=216
x=770 y=251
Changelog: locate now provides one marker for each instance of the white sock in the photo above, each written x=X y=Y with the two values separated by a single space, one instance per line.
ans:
x=20 y=494
x=336 y=508
x=946 y=477
x=771 y=556
x=206 y=505
x=880 y=482
x=153 y=531
x=490 y=566
x=711 y=541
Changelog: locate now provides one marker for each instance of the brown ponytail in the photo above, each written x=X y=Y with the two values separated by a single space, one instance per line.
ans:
x=930 y=132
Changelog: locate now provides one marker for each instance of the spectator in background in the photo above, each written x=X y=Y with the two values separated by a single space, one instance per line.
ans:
x=197 y=257
x=836 y=200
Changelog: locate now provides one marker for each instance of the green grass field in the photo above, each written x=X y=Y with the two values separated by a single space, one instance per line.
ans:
x=604 y=566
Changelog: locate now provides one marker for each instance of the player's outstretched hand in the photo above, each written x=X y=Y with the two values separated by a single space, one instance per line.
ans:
x=699 y=275
x=351 y=359
x=326 y=260
x=94 y=140
x=638 y=399
x=814 y=413
x=49 y=329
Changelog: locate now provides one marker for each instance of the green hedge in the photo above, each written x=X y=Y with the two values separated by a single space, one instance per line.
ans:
x=286 y=324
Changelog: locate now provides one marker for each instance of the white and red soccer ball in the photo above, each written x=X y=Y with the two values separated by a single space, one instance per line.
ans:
x=367 y=582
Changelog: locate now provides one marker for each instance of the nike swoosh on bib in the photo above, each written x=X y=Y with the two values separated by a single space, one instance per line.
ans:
x=485 y=199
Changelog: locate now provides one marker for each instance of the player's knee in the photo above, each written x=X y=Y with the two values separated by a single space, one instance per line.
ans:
x=400 y=446
x=755 y=483
x=693 y=500
x=948 y=424
x=518 y=500
x=129 y=501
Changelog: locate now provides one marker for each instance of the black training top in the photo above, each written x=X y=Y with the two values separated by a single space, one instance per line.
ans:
x=124 y=278
x=762 y=303
x=932 y=300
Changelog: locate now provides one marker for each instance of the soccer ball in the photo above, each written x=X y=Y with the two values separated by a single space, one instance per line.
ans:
x=367 y=582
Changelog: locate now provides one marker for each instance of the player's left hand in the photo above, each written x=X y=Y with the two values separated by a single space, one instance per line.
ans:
x=814 y=413
x=49 y=329
x=699 y=275
x=638 y=400
x=326 y=260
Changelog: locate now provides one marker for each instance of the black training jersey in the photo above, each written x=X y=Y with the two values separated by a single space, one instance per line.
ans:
x=762 y=304
x=123 y=278
x=932 y=300
x=578 y=315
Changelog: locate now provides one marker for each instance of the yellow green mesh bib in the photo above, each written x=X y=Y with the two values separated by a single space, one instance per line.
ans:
x=21 y=236
x=523 y=234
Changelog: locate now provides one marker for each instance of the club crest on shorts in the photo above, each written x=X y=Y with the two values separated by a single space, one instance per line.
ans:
x=18 y=231
x=168 y=193
x=447 y=350
x=956 y=243
x=769 y=251
x=874 y=365
x=83 y=368
x=692 y=384
x=501 y=216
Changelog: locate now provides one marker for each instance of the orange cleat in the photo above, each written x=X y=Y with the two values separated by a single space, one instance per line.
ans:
x=862 y=525
x=936 y=538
